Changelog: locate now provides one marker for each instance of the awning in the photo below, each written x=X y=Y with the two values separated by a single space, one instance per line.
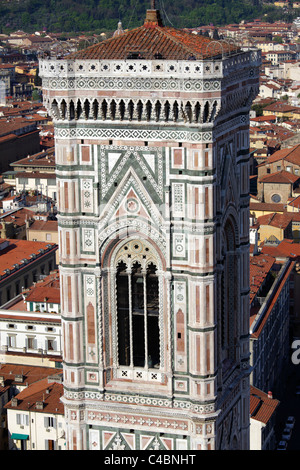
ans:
x=19 y=436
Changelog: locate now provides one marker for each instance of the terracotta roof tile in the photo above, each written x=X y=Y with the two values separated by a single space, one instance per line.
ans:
x=276 y=219
x=43 y=391
x=266 y=206
x=260 y=266
x=290 y=154
x=262 y=407
x=151 y=39
x=282 y=176
x=30 y=374
x=286 y=248
x=44 y=225
x=17 y=250
x=46 y=290
x=45 y=158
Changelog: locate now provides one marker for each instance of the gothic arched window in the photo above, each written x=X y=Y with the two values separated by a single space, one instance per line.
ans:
x=230 y=290
x=137 y=306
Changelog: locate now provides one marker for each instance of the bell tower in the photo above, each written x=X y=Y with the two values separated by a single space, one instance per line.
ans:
x=152 y=160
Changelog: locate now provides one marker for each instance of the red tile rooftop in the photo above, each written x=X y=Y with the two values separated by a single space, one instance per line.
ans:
x=289 y=154
x=262 y=406
x=30 y=374
x=46 y=290
x=45 y=158
x=153 y=40
x=12 y=252
x=282 y=176
x=43 y=391
x=17 y=217
x=265 y=206
x=45 y=225
x=260 y=266
x=286 y=249
x=280 y=220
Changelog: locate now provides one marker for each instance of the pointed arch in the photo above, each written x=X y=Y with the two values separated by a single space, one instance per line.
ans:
x=213 y=112
x=86 y=109
x=175 y=111
x=112 y=109
x=72 y=110
x=230 y=290
x=157 y=110
x=197 y=111
x=139 y=108
x=130 y=110
x=205 y=112
x=95 y=109
x=188 y=111
x=63 y=109
x=54 y=109
x=78 y=109
x=148 y=110
x=167 y=109
x=104 y=109
x=122 y=110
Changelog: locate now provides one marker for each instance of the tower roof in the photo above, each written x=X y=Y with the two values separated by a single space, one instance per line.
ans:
x=153 y=40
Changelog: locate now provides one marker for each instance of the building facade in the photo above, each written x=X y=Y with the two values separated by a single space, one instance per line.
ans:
x=269 y=321
x=152 y=155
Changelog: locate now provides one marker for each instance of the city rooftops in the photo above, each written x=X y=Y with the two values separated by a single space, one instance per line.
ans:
x=13 y=373
x=289 y=154
x=41 y=396
x=45 y=158
x=14 y=254
x=282 y=176
x=45 y=290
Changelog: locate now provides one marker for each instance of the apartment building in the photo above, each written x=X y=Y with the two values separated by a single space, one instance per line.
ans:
x=36 y=417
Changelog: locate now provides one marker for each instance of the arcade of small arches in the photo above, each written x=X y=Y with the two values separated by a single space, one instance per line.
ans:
x=134 y=110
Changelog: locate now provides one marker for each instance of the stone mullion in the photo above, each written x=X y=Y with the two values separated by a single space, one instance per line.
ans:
x=145 y=320
x=135 y=111
x=144 y=112
x=130 y=317
x=100 y=111
x=171 y=112
x=118 y=113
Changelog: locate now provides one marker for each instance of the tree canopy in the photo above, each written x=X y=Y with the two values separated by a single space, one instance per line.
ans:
x=103 y=15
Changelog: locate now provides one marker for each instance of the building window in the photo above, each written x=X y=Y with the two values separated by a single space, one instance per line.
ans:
x=8 y=294
x=11 y=341
x=50 y=422
x=138 y=282
x=138 y=313
x=50 y=344
x=30 y=342
x=276 y=198
x=22 y=419
x=229 y=294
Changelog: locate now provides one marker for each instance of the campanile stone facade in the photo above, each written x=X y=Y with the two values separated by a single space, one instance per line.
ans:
x=152 y=161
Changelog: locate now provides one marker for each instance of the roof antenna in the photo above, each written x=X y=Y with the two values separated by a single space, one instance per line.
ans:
x=152 y=4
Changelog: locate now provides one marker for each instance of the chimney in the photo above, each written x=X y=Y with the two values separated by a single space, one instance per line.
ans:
x=270 y=394
x=14 y=401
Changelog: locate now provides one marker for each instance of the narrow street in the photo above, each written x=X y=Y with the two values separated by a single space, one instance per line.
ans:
x=290 y=406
